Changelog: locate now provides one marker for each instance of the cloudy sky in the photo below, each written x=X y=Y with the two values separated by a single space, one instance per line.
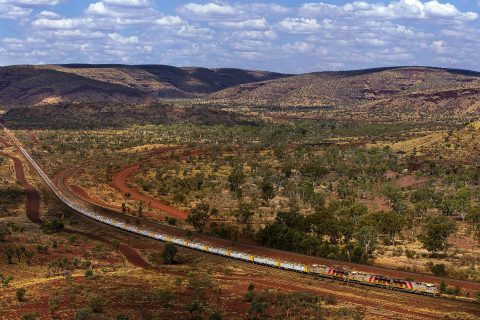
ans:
x=280 y=35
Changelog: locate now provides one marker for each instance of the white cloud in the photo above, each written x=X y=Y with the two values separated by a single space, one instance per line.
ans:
x=400 y=9
x=299 y=25
x=32 y=2
x=208 y=11
x=299 y=47
x=249 y=24
x=123 y=40
x=169 y=21
x=129 y=3
x=8 y=11
x=66 y=23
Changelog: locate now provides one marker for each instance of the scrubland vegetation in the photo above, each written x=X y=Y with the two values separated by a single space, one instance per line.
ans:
x=333 y=189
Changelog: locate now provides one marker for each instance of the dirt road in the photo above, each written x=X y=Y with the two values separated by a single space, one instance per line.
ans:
x=120 y=182
x=33 y=197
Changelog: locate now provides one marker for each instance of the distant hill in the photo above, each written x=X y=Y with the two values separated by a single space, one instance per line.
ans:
x=31 y=85
x=408 y=92
x=87 y=115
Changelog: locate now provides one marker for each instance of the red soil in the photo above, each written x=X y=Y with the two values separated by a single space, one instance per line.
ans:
x=131 y=254
x=122 y=176
x=120 y=182
x=33 y=197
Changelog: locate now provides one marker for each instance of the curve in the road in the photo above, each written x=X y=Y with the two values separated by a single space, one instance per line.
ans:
x=120 y=182
x=33 y=214
x=33 y=196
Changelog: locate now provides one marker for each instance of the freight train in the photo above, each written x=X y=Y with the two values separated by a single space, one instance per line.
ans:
x=315 y=270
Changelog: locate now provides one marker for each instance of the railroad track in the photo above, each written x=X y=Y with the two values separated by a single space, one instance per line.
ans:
x=316 y=270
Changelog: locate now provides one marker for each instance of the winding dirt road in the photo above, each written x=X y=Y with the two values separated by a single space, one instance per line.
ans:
x=33 y=196
x=33 y=214
x=120 y=182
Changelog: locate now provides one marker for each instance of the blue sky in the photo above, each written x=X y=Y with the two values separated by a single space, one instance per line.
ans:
x=281 y=35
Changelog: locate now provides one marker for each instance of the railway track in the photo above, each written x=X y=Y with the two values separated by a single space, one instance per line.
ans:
x=146 y=231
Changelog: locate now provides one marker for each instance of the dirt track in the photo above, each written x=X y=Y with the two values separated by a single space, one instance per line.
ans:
x=120 y=182
x=33 y=197
x=33 y=214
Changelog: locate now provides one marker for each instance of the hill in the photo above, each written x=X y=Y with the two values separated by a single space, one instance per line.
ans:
x=405 y=92
x=31 y=85
x=87 y=115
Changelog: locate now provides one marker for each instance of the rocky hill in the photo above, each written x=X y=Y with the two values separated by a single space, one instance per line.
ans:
x=406 y=92
x=31 y=85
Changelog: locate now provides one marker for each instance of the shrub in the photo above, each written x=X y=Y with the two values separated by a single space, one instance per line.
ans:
x=31 y=316
x=88 y=273
x=83 y=314
x=215 y=316
x=331 y=300
x=52 y=226
x=122 y=317
x=20 y=294
x=169 y=253
x=438 y=269
x=96 y=304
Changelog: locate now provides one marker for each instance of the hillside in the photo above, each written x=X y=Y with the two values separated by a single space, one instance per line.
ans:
x=85 y=115
x=407 y=92
x=31 y=85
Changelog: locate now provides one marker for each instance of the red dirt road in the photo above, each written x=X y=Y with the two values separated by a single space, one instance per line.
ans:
x=33 y=197
x=131 y=254
x=120 y=182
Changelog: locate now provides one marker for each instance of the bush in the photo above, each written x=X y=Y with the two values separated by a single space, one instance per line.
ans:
x=122 y=317
x=83 y=314
x=31 y=316
x=215 y=316
x=21 y=294
x=331 y=300
x=169 y=253
x=438 y=269
x=89 y=273
x=52 y=226
x=96 y=304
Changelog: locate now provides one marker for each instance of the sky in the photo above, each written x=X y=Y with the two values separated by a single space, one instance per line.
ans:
x=281 y=35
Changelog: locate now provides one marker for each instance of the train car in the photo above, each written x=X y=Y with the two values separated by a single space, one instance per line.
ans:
x=265 y=261
x=360 y=277
x=426 y=288
x=402 y=284
x=380 y=280
x=319 y=269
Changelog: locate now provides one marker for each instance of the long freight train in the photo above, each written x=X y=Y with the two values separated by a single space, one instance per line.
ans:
x=316 y=270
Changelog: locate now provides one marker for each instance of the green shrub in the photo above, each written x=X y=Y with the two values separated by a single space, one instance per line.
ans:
x=96 y=304
x=52 y=226
x=83 y=314
x=20 y=294
x=31 y=316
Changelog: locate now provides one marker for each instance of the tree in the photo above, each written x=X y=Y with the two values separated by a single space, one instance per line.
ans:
x=169 y=253
x=435 y=233
x=367 y=237
x=236 y=179
x=9 y=253
x=194 y=307
x=461 y=202
x=199 y=216
x=258 y=309
x=53 y=303
x=244 y=213
x=268 y=191
x=4 y=231
x=20 y=294
x=389 y=224
x=473 y=217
